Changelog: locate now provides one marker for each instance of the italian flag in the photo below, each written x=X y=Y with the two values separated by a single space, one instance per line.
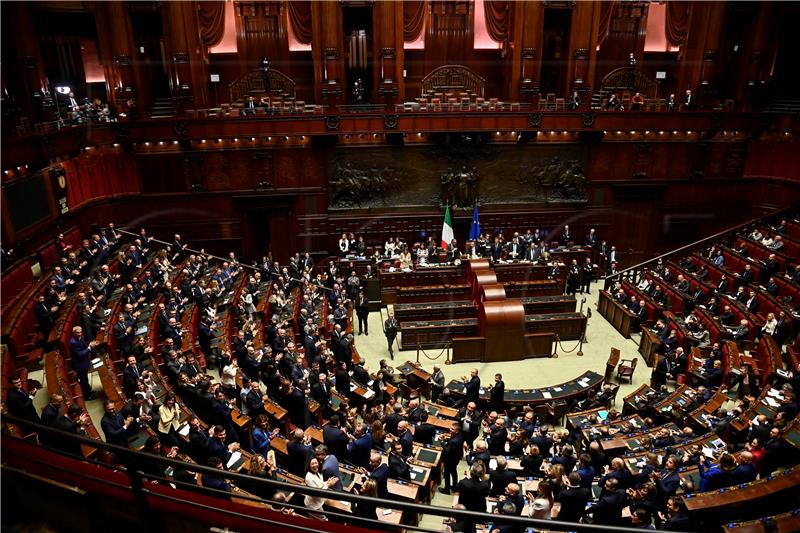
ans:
x=447 y=229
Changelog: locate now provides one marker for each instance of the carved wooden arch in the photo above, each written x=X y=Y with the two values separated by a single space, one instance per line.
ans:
x=252 y=83
x=453 y=78
x=629 y=79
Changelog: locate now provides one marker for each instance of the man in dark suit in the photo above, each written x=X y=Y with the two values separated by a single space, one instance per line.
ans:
x=321 y=393
x=424 y=432
x=469 y=423
x=20 y=403
x=398 y=462
x=472 y=387
x=358 y=449
x=573 y=499
x=472 y=493
x=329 y=466
x=116 y=427
x=380 y=473
x=608 y=510
x=362 y=312
x=74 y=422
x=662 y=372
x=452 y=453
x=52 y=409
x=130 y=376
x=213 y=482
x=197 y=447
x=500 y=477
x=390 y=327
x=497 y=394
x=498 y=437
x=722 y=285
x=543 y=441
x=81 y=352
x=334 y=438
x=299 y=453
x=619 y=472
x=216 y=446
x=44 y=315
x=678 y=518
x=124 y=334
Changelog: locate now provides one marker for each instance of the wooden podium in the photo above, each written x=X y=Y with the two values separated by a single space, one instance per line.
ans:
x=501 y=321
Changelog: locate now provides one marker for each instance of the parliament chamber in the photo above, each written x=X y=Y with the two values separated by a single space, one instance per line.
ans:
x=400 y=265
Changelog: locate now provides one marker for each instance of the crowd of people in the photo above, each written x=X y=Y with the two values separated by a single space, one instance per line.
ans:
x=300 y=350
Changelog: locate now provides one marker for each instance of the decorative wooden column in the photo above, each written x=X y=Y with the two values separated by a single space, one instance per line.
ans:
x=699 y=52
x=751 y=80
x=387 y=51
x=326 y=51
x=526 y=49
x=582 y=49
x=31 y=85
x=115 y=33
x=185 y=54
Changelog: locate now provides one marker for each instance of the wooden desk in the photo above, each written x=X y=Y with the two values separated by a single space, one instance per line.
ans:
x=617 y=314
x=434 y=409
x=577 y=388
x=568 y=326
x=435 y=333
x=648 y=345
x=416 y=377
x=404 y=490
x=429 y=456
x=549 y=304
x=752 y=492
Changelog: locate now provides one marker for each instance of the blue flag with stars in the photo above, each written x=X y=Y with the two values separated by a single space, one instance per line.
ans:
x=475 y=228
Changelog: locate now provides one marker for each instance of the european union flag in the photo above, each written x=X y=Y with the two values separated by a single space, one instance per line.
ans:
x=475 y=228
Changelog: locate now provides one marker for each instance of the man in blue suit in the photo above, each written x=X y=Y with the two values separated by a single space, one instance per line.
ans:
x=380 y=473
x=213 y=482
x=329 y=466
x=81 y=353
x=358 y=449
x=116 y=427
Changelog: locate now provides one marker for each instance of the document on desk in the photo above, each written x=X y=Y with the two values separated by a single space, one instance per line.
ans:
x=184 y=430
x=235 y=456
x=547 y=395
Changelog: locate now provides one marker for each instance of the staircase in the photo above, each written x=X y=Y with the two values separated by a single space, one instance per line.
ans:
x=784 y=101
x=163 y=108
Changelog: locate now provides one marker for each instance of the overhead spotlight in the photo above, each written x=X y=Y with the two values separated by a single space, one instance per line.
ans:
x=175 y=142
x=161 y=143
x=219 y=140
x=236 y=139
x=252 y=139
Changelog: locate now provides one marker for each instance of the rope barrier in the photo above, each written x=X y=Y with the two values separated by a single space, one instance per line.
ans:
x=564 y=349
x=419 y=349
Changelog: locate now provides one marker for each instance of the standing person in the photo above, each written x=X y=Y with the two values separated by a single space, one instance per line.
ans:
x=572 y=277
x=81 y=352
x=452 y=453
x=472 y=387
x=362 y=311
x=390 y=327
x=437 y=383
x=497 y=393
x=587 y=270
